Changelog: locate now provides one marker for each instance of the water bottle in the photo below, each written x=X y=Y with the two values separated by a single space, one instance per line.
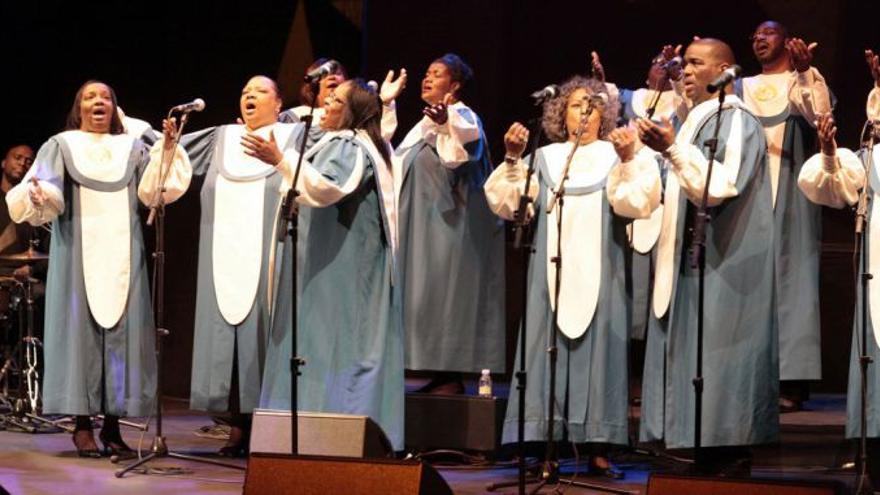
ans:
x=485 y=388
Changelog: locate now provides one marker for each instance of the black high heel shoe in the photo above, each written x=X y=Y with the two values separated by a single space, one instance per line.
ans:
x=609 y=471
x=85 y=452
x=237 y=446
x=115 y=447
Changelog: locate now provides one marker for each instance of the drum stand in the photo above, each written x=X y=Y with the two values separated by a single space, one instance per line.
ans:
x=25 y=409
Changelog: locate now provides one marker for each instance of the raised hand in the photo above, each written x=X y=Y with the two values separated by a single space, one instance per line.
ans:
x=668 y=53
x=35 y=192
x=439 y=112
x=624 y=141
x=827 y=130
x=873 y=65
x=391 y=87
x=265 y=150
x=801 y=54
x=169 y=132
x=515 y=140
x=596 y=64
x=656 y=136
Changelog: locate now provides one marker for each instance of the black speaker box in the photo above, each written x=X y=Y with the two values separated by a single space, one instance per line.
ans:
x=458 y=422
x=670 y=484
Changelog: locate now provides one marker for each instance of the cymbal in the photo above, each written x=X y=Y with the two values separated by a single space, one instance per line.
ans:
x=29 y=256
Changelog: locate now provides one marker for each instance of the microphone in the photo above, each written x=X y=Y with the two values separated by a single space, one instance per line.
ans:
x=725 y=78
x=550 y=91
x=196 y=105
x=321 y=71
x=672 y=64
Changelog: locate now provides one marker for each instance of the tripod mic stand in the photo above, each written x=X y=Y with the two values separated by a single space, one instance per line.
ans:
x=698 y=260
x=864 y=486
x=291 y=213
x=523 y=242
x=159 y=447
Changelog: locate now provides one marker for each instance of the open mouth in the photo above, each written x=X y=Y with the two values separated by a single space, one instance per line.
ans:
x=250 y=108
x=99 y=113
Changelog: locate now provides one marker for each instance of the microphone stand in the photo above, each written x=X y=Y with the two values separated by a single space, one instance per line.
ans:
x=864 y=486
x=523 y=242
x=159 y=447
x=698 y=260
x=655 y=100
x=291 y=212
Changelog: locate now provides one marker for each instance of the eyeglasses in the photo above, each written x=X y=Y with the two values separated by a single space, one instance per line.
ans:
x=332 y=98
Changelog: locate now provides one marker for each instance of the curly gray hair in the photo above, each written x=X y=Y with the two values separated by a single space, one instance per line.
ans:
x=553 y=120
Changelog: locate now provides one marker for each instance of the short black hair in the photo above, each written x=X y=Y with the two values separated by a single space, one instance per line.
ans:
x=460 y=71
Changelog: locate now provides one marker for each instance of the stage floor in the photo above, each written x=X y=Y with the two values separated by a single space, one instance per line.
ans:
x=812 y=447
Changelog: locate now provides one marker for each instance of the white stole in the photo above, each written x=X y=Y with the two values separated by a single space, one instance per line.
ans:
x=664 y=276
x=105 y=222
x=874 y=252
x=581 y=232
x=237 y=247
x=766 y=95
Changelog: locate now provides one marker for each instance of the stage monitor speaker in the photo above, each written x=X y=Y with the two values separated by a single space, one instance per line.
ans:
x=316 y=475
x=339 y=435
x=459 y=422
x=670 y=484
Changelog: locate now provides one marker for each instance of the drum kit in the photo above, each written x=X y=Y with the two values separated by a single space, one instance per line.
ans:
x=20 y=346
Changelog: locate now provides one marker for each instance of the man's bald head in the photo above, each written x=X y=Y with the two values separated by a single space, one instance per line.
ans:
x=719 y=51
x=705 y=60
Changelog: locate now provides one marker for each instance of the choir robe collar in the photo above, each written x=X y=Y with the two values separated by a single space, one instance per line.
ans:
x=93 y=159
x=582 y=220
x=766 y=95
x=103 y=165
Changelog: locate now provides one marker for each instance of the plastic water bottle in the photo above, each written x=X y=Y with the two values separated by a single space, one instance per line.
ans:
x=485 y=388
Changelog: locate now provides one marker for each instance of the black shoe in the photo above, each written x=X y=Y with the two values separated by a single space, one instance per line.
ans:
x=115 y=447
x=90 y=453
x=234 y=451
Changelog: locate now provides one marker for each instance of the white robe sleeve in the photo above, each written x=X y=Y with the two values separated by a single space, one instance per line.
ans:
x=48 y=167
x=177 y=179
x=22 y=209
x=633 y=188
x=809 y=94
x=343 y=164
x=689 y=164
x=389 y=121
x=504 y=188
x=832 y=180
x=873 y=107
x=453 y=135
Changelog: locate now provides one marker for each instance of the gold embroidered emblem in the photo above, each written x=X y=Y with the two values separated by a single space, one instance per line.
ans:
x=766 y=92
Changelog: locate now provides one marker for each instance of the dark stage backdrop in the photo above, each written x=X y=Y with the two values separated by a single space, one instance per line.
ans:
x=159 y=54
